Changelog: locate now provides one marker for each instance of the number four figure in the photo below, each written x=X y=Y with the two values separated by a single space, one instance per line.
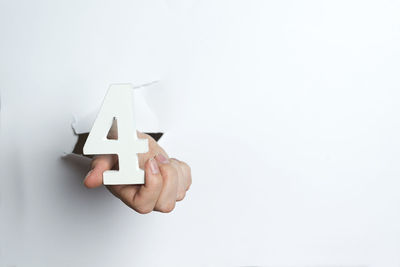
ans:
x=118 y=104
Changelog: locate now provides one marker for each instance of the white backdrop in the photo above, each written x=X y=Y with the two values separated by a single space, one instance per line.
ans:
x=287 y=111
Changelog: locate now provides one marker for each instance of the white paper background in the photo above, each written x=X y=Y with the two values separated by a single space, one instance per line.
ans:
x=287 y=111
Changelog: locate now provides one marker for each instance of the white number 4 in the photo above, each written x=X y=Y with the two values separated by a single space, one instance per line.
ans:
x=118 y=104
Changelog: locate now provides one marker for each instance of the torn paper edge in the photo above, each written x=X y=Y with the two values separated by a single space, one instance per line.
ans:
x=146 y=119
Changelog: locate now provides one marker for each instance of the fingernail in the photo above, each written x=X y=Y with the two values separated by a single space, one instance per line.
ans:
x=154 y=166
x=161 y=158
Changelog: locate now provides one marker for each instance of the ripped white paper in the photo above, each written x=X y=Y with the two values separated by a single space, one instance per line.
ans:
x=146 y=118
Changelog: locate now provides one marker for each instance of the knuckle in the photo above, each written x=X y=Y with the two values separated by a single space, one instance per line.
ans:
x=143 y=209
x=167 y=207
x=181 y=195
x=175 y=161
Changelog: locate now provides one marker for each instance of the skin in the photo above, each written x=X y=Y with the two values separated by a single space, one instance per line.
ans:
x=166 y=179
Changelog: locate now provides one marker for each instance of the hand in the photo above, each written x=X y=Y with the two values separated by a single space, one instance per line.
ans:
x=166 y=179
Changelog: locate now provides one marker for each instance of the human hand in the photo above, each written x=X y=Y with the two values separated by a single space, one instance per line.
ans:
x=166 y=179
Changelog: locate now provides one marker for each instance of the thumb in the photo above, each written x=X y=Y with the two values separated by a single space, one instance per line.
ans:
x=100 y=164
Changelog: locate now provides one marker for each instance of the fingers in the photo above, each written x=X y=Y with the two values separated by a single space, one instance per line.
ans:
x=167 y=199
x=144 y=201
x=181 y=183
x=184 y=178
x=99 y=164
x=166 y=182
